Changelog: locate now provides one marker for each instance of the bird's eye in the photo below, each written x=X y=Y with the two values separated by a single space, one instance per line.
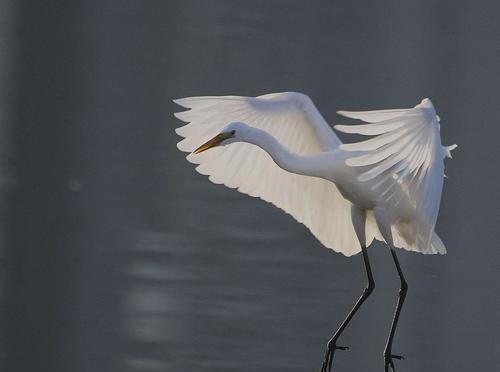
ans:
x=233 y=132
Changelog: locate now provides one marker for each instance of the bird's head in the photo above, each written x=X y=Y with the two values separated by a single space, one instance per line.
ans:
x=231 y=133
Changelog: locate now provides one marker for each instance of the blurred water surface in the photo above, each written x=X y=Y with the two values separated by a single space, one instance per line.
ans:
x=147 y=266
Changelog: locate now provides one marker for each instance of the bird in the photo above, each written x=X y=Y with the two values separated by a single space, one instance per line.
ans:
x=278 y=147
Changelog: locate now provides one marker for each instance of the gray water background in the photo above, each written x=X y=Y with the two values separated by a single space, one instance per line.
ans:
x=120 y=257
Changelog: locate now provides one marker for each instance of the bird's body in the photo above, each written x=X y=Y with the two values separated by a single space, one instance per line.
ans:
x=397 y=175
x=331 y=166
x=387 y=187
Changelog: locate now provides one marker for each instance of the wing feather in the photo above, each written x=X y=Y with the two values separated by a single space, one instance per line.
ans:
x=294 y=121
x=373 y=116
x=407 y=147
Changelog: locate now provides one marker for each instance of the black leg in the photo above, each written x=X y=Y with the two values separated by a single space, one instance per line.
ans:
x=332 y=344
x=401 y=298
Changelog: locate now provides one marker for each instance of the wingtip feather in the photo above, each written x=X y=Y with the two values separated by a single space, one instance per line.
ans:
x=347 y=114
x=449 y=149
x=181 y=101
x=345 y=128
x=182 y=115
x=180 y=131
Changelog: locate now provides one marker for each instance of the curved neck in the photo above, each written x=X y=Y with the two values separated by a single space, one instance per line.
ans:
x=300 y=164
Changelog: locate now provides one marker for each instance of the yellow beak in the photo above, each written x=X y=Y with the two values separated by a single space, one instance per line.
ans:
x=213 y=142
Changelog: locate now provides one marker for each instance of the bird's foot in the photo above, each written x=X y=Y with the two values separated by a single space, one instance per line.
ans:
x=389 y=363
x=331 y=347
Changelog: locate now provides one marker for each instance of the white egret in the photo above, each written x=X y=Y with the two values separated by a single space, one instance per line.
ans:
x=387 y=187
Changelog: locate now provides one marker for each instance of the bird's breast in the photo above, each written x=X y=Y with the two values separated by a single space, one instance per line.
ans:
x=348 y=184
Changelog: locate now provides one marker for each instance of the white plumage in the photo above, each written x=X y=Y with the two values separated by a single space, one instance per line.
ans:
x=395 y=177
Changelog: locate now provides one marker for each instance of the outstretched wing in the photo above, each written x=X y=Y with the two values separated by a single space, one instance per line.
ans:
x=407 y=147
x=293 y=120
